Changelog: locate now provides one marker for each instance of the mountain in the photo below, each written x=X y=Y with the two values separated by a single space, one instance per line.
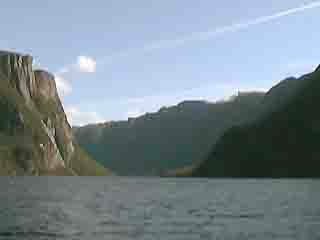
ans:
x=171 y=138
x=35 y=136
x=283 y=142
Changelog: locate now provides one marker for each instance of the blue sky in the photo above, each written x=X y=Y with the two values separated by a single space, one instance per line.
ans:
x=119 y=59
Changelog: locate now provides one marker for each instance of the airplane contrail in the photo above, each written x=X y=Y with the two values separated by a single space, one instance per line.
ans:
x=200 y=36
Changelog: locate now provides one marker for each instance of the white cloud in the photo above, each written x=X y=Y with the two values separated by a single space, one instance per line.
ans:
x=134 y=113
x=36 y=64
x=86 y=64
x=83 y=64
x=299 y=67
x=77 y=117
x=63 y=86
x=124 y=108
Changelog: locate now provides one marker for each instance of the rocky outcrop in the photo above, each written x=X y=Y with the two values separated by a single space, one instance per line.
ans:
x=45 y=85
x=46 y=95
x=18 y=69
x=50 y=149
x=32 y=110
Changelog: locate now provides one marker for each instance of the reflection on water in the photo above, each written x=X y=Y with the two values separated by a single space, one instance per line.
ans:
x=154 y=208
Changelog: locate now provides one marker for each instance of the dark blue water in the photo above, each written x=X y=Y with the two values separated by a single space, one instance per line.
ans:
x=154 y=208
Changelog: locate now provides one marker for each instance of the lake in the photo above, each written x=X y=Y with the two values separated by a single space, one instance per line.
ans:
x=158 y=208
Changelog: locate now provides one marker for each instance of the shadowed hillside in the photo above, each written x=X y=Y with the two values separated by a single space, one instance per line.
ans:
x=282 y=143
x=171 y=138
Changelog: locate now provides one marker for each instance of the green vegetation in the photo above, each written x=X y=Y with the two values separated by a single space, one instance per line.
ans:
x=15 y=137
x=251 y=135
x=173 y=137
x=282 y=143
x=83 y=165
x=25 y=145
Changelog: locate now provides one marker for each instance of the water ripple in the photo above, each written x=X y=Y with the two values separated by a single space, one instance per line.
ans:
x=170 y=209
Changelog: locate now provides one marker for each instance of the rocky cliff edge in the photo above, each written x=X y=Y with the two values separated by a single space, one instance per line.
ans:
x=35 y=136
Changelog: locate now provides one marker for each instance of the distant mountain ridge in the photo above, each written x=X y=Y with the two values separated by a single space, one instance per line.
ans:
x=175 y=140
x=173 y=137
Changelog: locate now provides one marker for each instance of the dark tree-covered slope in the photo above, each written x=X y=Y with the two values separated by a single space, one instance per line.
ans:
x=284 y=142
x=173 y=137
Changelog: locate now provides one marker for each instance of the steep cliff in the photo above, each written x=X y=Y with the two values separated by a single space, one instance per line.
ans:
x=35 y=136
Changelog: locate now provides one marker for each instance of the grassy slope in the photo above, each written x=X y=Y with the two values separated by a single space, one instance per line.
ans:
x=82 y=164
x=12 y=139
x=17 y=145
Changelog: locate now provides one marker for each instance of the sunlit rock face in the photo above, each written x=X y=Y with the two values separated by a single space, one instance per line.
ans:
x=18 y=69
x=45 y=85
x=34 y=118
x=46 y=91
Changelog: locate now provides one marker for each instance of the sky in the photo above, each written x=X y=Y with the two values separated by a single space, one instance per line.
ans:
x=117 y=59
